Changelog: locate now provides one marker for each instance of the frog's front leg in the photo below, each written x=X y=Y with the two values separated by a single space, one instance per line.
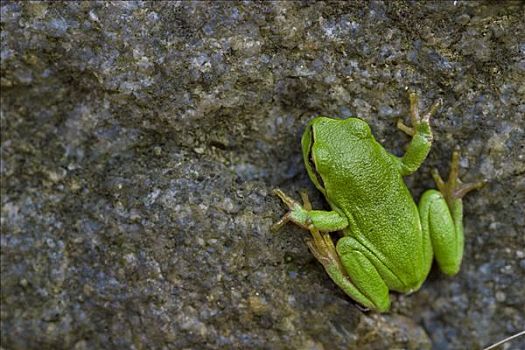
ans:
x=319 y=223
x=441 y=214
x=421 y=134
x=307 y=218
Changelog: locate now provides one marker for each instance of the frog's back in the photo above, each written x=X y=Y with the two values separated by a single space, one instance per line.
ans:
x=382 y=215
x=387 y=223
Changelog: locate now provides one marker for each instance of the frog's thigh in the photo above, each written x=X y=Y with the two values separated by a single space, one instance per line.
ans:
x=363 y=273
x=444 y=229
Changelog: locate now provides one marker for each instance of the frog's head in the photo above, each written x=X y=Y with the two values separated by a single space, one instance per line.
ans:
x=346 y=130
x=329 y=143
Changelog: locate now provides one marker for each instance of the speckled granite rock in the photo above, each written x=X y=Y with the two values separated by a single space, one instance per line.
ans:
x=140 y=143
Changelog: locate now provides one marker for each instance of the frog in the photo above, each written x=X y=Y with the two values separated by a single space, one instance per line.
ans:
x=386 y=242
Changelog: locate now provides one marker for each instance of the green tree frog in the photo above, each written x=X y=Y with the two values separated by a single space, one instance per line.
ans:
x=388 y=241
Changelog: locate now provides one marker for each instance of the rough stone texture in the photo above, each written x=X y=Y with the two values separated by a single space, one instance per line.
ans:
x=140 y=143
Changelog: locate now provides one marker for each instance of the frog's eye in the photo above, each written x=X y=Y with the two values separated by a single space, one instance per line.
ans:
x=318 y=177
x=359 y=128
x=313 y=165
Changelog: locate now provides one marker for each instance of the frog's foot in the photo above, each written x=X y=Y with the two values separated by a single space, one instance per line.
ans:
x=454 y=189
x=323 y=249
x=415 y=118
x=298 y=213
x=321 y=244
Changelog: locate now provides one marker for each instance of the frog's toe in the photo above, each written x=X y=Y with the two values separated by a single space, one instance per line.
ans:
x=454 y=188
x=279 y=224
x=406 y=129
x=464 y=188
x=289 y=201
x=431 y=111
x=306 y=200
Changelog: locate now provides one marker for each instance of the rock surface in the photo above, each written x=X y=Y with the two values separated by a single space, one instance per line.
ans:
x=141 y=142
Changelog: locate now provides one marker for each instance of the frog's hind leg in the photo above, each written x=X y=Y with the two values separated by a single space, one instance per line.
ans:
x=445 y=232
x=363 y=275
x=322 y=247
x=441 y=214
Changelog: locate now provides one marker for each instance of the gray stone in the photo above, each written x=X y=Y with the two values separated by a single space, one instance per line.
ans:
x=141 y=142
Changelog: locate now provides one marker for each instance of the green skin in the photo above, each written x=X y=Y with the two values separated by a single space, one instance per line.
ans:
x=388 y=241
